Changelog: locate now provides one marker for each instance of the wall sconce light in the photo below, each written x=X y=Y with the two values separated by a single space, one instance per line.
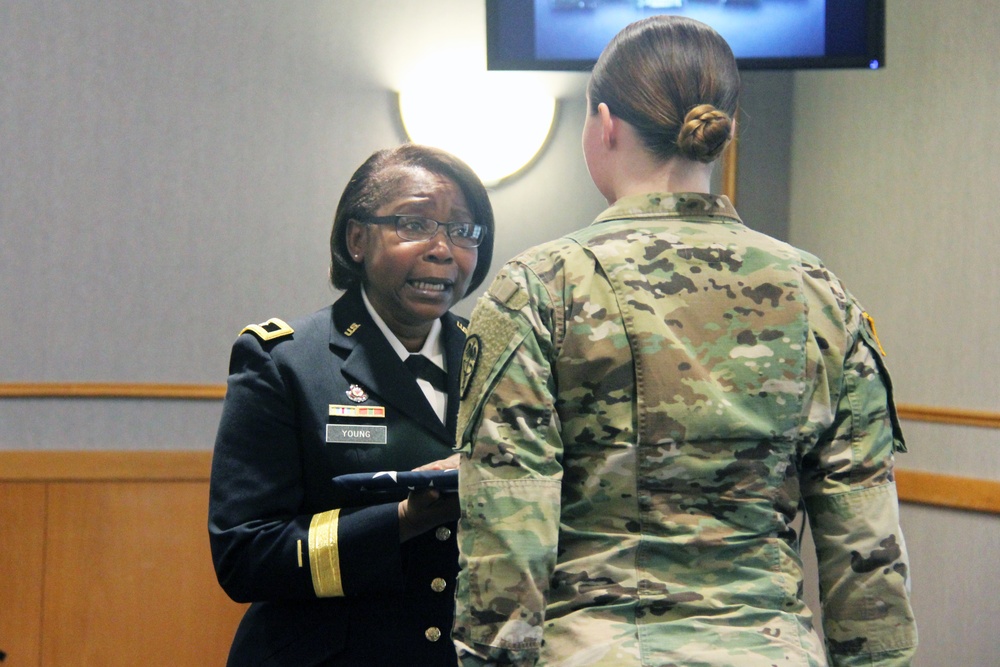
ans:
x=497 y=126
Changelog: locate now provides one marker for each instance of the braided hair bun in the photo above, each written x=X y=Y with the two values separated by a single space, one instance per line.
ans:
x=674 y=80
x=705 y=133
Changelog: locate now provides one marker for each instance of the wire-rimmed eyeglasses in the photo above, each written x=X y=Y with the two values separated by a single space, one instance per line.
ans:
x=419 y=228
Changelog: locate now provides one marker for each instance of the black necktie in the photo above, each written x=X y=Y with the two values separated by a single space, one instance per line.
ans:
x=425 y=369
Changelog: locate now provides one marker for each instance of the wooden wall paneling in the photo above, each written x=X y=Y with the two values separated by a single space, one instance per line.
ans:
x=129 y=578
x=22 y=561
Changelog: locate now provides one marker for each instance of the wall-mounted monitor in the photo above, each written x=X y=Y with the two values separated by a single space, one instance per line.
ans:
x=568 y=35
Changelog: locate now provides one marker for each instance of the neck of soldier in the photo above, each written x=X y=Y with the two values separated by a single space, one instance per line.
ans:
x=675 y=175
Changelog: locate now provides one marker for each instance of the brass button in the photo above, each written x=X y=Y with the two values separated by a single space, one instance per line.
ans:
x=439 y=585
x=432 y=634
x=442 y=533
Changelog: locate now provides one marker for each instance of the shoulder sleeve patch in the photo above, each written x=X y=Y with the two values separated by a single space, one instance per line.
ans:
x=470 y=359
x=273 y=328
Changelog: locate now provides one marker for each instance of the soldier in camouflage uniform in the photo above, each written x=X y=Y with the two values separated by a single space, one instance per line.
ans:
x=647 y=404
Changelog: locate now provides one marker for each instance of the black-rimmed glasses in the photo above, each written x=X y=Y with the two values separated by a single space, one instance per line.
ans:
x=419 y=228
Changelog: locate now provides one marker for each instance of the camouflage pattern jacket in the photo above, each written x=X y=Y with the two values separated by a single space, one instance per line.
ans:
x=646 y=405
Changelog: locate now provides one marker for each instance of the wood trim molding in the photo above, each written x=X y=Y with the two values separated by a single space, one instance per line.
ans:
x=730 y=162
x=961 y=493
x=217 y=392
x=105 y=465
x=957 y=416
x=135 y=390
x=925 y=488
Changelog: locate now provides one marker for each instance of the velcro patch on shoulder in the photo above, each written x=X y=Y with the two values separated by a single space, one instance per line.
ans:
x=273 y=328
x=495 y=336
x=507 y=292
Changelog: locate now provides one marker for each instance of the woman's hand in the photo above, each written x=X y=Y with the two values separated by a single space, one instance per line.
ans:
x=428 y=508
x=425 y=509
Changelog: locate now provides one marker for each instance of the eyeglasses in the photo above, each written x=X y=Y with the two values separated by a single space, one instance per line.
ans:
x=418 y=228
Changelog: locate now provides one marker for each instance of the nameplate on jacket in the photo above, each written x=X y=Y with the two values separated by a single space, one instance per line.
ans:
x=355 y=434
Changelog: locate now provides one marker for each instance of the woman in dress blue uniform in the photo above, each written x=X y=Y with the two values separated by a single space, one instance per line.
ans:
x=334 y=580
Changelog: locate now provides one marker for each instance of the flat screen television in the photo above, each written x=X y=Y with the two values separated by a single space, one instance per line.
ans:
x=568 y=35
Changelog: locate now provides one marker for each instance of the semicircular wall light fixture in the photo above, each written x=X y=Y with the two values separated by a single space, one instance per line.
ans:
x=496 y=126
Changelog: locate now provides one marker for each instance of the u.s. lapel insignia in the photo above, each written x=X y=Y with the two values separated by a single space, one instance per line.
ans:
x=357 y=393
x=470 y=358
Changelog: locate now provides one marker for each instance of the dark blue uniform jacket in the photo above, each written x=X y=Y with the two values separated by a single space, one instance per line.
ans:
x=272 y=471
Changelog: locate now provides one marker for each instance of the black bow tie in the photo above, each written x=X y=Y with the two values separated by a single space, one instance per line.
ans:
x=425 y=369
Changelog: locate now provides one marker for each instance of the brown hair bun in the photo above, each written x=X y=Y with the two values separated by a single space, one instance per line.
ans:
x=705 y=133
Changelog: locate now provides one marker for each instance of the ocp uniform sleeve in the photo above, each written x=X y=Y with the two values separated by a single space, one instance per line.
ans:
x=510 y=475
x=850 y=496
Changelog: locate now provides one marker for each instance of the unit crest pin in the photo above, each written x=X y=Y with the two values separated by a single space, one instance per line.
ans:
x=357 y=394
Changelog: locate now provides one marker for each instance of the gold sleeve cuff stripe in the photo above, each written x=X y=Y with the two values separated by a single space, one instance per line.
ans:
x=324 y=555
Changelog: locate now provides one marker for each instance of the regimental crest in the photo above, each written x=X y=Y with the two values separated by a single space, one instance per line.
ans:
x=470 y=359
x=357 y=393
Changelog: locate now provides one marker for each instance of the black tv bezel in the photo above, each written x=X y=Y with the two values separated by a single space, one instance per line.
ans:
x=500 y=56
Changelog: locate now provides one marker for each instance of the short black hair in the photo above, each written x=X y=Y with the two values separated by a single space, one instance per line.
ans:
x=371 y=186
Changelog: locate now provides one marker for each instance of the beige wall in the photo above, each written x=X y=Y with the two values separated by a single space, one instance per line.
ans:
x=168 y=172
x=894 y=178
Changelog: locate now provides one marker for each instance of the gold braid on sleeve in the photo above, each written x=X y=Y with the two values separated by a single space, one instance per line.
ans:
x=324 y=554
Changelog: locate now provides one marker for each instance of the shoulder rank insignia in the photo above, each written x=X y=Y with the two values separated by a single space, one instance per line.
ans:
x=273 y=328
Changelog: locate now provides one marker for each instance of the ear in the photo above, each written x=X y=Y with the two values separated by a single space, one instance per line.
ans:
x=356 y=235
x=609 y=126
